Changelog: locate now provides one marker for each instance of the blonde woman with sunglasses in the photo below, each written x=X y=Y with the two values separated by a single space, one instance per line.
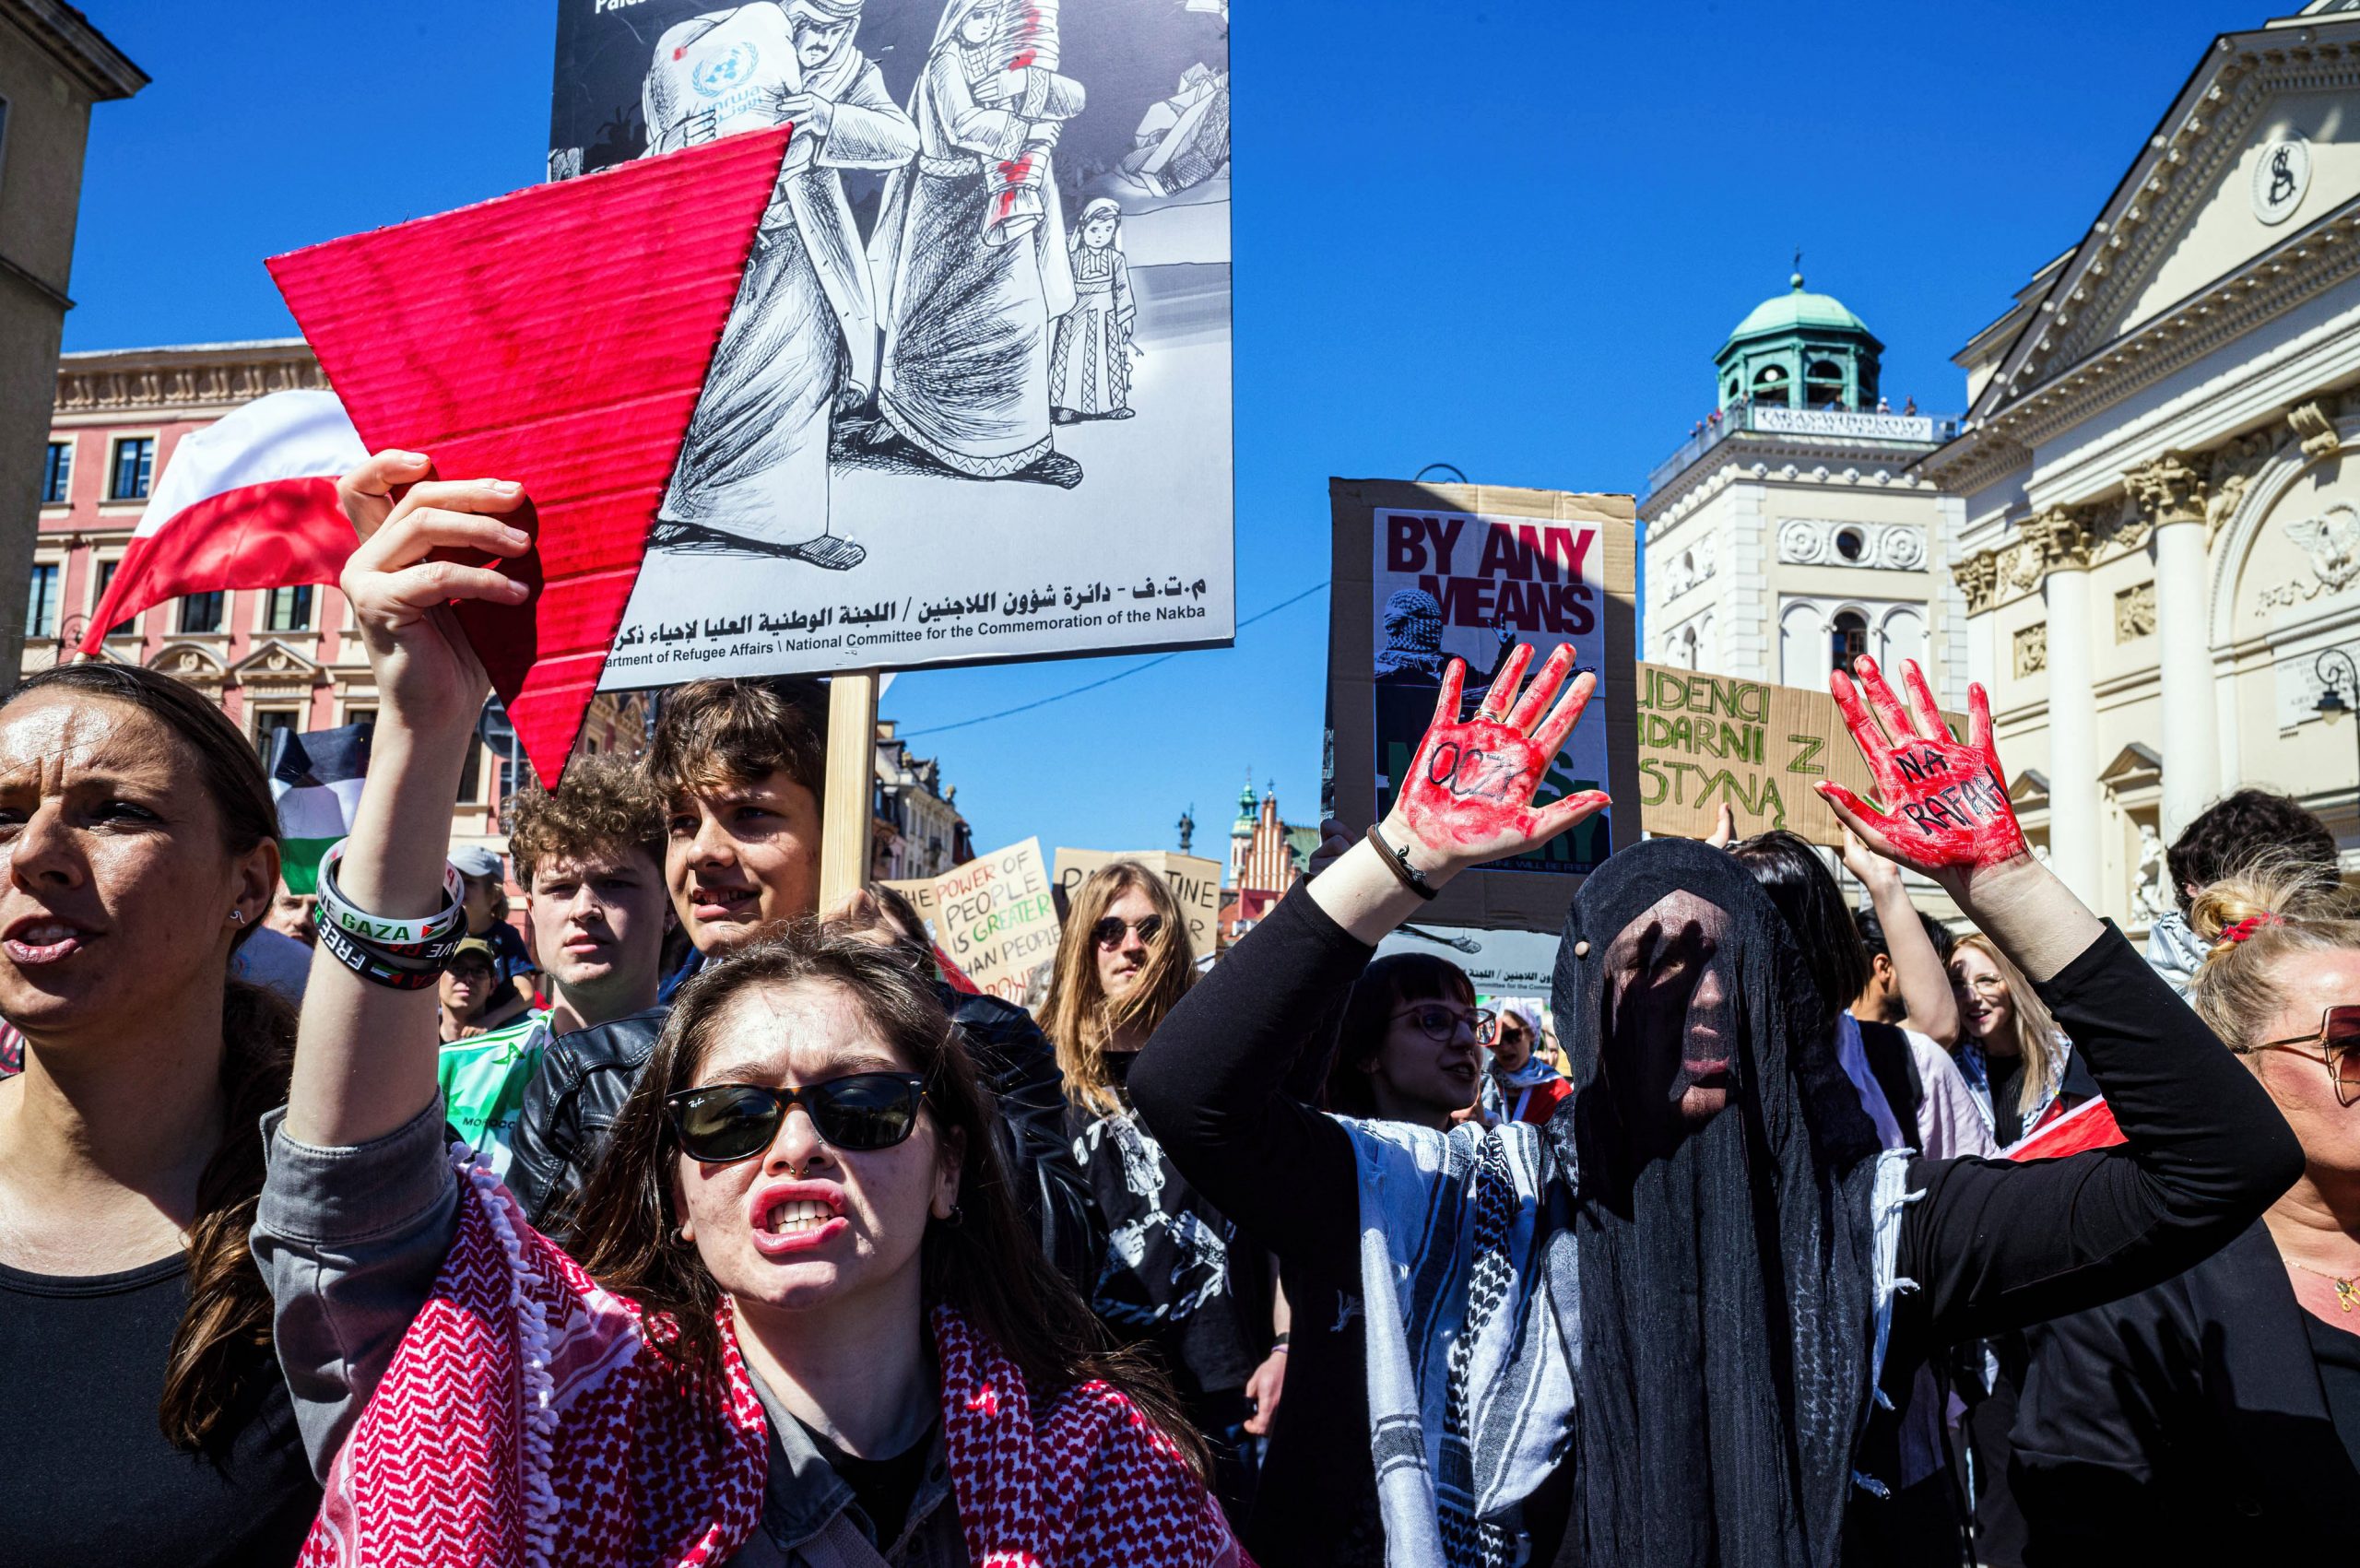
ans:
x=2220 y=1412
x=1176 y=1278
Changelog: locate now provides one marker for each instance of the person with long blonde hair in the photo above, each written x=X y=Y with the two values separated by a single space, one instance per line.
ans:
x=1176 y=1278
x=2018 y=1065
x=2219 y=1412
x=1114 y=983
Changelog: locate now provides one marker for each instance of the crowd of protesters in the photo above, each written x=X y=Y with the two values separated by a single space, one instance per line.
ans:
x=706 y=1225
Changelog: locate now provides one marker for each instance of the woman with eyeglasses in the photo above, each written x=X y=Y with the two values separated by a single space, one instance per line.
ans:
x=810 y=1326
x=1175 y=1279
x=2217 y=1417
x=1411 y=1042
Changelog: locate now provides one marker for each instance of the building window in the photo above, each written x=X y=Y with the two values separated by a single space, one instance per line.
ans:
x=1770 y=385
x=471 y=776
x=1825 y=382
x=202 y=613
x=1850 y=638
x=288 y=609
x=1850 y=544
x=365 y=718
x=57 y=473
x=128 y=624
x=134 y=468
x=268 y=722
x=40 y=601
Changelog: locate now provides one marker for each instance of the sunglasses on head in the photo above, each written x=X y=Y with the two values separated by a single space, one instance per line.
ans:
x=2337 y=1044
x=723 y=1122
x=1108 y=933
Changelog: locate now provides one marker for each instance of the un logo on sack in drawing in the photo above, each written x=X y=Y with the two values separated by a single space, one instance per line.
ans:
x=719 y=75
x=2280 y=177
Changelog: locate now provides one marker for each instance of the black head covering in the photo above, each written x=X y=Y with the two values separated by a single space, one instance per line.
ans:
x=1726 y=1258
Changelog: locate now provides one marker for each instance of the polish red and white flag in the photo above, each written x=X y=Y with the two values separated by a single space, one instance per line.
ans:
x=2087 y=1126
x=247 y=502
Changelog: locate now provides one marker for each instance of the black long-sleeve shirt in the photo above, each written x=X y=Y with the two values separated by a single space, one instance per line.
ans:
x=1992 y=1245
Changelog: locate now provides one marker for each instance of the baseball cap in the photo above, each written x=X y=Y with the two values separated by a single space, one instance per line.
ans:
x=474 y=946
x=476 y=861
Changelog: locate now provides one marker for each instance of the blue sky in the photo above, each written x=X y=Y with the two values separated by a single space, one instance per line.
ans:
x=1504 y=234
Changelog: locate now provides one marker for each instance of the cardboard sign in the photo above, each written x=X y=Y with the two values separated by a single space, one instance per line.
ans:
x=919 y=890
x=1467 y=585
x=1423 y=574
x=1195 y=883
x=1708 y=739
x=967 y=408
x=996 y=918
x=523 y=339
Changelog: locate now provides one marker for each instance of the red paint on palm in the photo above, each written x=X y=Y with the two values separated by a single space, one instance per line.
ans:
x=1946 y=802
x=560 y=338
x=1471 y=787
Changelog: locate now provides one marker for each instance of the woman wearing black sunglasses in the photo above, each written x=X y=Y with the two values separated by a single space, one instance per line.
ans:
x=1176 y=1278
x=813 y=1329
x=2219 y=1412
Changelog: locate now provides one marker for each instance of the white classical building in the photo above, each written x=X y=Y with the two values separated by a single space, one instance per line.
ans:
x=2160 y=540
x=1789 y=533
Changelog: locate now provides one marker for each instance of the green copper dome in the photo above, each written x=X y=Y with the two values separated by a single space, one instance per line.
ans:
x=1798 y=310
x=1800 y=350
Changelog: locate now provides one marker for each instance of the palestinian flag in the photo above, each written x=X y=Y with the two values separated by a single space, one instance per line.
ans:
x=315 y=779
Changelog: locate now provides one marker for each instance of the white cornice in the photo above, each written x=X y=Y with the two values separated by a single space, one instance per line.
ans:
x=1751 y=456
x=2305 y=267
x=205 y=378
x=2181 y=165
x=68 y=36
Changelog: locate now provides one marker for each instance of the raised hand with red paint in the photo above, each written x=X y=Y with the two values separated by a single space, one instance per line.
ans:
x=1947 y=813
x=1467 y=798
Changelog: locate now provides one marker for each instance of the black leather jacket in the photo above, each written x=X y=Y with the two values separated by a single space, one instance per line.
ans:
x=587 y=1075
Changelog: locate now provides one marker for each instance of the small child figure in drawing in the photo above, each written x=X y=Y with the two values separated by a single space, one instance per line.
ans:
x=1090 y=369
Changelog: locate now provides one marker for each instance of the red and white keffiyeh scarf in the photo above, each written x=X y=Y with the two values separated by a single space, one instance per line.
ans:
x=528 y=1419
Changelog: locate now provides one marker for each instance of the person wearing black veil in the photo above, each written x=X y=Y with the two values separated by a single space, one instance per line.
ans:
x=1716 y=1250
x=1651 y=1332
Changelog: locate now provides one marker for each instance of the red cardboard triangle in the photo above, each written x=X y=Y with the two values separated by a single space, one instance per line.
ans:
x=558 y=336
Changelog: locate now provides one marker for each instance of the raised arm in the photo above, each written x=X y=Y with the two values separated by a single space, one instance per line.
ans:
x=365 y=1054
x=355 y=1212
x=1994 y=1246
x=1212 y=1083
x=1916 y=967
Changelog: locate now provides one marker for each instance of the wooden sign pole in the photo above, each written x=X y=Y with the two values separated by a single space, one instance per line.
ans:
x=852 y=779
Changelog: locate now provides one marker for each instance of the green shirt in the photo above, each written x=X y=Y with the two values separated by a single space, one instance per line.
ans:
x=483 y=1084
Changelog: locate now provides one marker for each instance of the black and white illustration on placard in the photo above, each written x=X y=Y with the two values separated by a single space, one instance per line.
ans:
x=974 y=400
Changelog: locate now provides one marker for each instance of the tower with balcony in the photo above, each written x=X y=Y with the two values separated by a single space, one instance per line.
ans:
x=1787 y=531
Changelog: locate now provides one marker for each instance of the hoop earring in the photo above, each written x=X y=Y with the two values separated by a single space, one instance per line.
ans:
x=680 y=1237
x=956 y=1218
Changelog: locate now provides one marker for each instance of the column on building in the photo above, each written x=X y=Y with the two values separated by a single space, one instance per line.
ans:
x=1977 y=577
x=2171 y=493
x=2074 y=792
